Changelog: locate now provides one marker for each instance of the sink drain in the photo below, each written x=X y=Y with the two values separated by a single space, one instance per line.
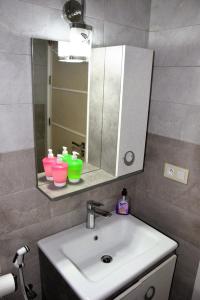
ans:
x=106 y=259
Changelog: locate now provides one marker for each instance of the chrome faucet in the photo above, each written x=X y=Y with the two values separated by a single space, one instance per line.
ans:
x=92 y=210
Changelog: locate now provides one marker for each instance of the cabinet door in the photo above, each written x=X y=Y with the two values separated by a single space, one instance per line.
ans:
x=154 y=286
x=135 y=96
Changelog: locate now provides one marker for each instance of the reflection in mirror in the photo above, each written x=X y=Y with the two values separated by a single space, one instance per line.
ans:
x=60 y=103
x=60 y=98
x=67 y=106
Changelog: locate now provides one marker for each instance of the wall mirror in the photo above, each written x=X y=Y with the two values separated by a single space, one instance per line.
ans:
x=97 y=108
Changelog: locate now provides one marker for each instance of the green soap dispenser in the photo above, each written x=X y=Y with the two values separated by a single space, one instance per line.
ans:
x=75 y=167
x=66 y=155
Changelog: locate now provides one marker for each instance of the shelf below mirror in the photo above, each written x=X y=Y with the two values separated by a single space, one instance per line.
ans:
x=90 y=178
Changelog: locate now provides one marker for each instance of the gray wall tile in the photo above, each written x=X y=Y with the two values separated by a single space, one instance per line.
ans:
x=17 y=171
x=176 y=44
x=15 y=84
x=182 y=279
x=166 y=118
x=16 y=127
x=16 y=24
x=23 y=209
x=133 y=13
x=191 y=125
x=168 y=218
x=45 y=18
x=172 y=207
x=177 y=85
x=36 y=20
x=175 y=121
x=161 y=150
x=115 y=34
x=177 y=47
x=58 y=4
x=14 y=43
x=174 y=13
x=95 y=9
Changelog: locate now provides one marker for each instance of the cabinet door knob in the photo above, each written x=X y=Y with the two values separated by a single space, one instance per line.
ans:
x=129 y=158
x=150 y=293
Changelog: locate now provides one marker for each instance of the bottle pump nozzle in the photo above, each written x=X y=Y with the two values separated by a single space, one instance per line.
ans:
x=50 y=153
x=59 y=158
x=64 y=150
x=74 y=155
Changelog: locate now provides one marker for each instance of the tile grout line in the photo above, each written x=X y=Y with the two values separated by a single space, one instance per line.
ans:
x=13 y=53
x=174 y=28
x=16 y=104
x=178 y=103
x=171 y=66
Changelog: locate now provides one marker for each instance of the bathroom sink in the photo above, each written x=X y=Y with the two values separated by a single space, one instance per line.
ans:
x=98 y=262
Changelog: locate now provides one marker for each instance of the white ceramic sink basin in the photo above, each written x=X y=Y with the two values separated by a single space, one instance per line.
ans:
x=133 y=246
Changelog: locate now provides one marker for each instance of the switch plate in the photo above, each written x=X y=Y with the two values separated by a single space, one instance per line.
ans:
x=176 y=173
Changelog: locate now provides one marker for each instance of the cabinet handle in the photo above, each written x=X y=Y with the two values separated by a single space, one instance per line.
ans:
x=129 y=158
x=150 y=293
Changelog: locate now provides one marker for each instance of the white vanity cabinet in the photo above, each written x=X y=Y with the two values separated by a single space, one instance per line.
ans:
x=154 y=286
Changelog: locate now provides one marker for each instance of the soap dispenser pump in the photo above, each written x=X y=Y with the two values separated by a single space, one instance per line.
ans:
x=64 y=150
x=50 y=153
x=75 y=167
x=66 y=155
x=75 y=155
x=59 y=172
x=48 y=163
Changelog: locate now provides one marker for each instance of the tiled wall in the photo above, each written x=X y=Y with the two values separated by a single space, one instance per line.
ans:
x=174 y=34
x=25 y=214
x=174 y=125
x=172 y=207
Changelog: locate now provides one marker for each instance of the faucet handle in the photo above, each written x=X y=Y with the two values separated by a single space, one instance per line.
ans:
x=92 y=203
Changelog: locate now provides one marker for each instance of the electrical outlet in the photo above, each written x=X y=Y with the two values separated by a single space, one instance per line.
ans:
x=176 y=173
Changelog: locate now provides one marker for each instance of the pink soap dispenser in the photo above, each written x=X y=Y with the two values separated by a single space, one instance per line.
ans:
x=47 y=164
x=59 y=171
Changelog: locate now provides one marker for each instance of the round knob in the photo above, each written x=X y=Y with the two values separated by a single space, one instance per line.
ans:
x=150 y=293
x=129 y=158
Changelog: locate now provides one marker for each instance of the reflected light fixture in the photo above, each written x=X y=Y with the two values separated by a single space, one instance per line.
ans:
x=78 y=48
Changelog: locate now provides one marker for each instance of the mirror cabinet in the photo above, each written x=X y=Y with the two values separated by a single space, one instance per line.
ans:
x=97 y=108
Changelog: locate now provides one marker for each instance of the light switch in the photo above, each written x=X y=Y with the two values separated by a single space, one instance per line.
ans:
x=176 y=173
